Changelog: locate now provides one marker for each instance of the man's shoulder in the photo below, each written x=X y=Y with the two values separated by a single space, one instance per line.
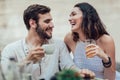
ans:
x=13 y=44
x=56 y=41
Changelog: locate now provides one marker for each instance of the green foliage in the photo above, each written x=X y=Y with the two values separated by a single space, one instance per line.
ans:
x=68 y=75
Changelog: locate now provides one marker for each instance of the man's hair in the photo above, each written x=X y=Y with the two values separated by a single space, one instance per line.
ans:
x=32 y=13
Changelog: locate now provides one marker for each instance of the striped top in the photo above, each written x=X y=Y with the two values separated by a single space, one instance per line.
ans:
x=94 y=64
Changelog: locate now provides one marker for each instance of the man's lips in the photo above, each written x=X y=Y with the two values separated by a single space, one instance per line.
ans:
x=49 y=30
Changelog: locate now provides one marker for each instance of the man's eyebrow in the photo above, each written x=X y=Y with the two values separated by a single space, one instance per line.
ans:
x=48 y=20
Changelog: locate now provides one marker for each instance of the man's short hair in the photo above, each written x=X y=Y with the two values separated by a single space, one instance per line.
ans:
x=32 y=13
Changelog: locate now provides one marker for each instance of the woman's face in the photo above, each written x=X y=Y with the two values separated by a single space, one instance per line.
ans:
x=76 y=17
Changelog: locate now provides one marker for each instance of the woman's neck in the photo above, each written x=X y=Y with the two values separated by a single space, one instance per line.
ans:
x=82 y=36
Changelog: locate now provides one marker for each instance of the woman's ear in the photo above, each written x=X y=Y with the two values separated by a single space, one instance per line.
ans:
x=32 y=23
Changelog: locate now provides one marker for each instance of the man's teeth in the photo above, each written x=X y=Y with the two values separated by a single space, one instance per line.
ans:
x=49 y=30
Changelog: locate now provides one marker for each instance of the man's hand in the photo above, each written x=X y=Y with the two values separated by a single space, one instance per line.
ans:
x=35 y=55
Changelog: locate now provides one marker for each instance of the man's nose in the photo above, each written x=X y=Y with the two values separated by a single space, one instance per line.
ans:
x=51 y=25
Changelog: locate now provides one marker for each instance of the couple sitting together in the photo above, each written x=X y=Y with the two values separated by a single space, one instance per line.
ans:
x=86 y=26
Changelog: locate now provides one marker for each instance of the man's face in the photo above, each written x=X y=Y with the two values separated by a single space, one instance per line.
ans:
x=45 y=26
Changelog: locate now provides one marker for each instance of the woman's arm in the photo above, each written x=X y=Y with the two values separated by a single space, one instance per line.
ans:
x=69 y=42
x=107 y=44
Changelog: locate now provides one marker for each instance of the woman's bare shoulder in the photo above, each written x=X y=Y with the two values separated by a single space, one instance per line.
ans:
x=106 y=39
x=106 y=42
x=68 y=38
x=70 y=42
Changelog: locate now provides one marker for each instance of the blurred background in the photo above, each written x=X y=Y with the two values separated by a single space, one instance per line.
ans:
x=12 y=26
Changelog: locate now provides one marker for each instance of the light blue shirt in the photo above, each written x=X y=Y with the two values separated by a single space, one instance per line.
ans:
x=49 y=65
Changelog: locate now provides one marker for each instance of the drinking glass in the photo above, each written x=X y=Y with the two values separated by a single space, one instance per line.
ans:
x=90 y=43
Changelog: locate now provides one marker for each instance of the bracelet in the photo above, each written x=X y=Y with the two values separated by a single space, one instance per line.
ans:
x=107 y=64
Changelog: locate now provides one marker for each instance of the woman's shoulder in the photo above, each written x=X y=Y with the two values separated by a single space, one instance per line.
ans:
x=68 y=38
x=69 y=41
x=106 y=40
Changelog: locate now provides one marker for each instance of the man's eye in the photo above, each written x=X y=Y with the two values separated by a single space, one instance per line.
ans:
x=46 y=21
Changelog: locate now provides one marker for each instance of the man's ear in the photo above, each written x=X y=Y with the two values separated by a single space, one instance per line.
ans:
x=32 y=23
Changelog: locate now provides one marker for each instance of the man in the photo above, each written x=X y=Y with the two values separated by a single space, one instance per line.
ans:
x=38 y=21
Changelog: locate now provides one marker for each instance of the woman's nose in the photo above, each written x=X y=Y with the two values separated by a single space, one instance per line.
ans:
x=70 y=18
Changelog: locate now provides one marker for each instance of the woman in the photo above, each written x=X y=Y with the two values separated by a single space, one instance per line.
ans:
x=86 y=25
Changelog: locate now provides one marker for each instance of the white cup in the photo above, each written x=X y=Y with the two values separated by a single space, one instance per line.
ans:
x=49 y=48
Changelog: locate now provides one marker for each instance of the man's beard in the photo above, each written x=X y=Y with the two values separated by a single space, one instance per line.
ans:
x=42 y=33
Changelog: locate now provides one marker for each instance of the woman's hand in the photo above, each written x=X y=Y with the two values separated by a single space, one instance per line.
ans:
x=85 y=73
x=94 y=50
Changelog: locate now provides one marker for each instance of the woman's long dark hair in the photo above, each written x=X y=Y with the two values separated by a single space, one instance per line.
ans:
x=91 y=25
